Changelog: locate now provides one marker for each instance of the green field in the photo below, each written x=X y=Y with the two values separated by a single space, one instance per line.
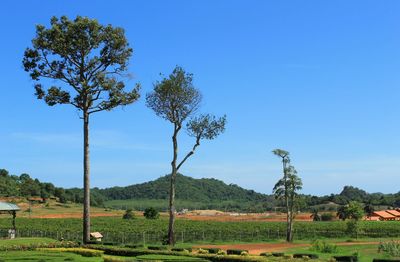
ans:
x=162 y=205
x=141 y=230
x=366 y=253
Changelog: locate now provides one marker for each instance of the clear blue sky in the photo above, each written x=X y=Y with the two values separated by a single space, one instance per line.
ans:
x=317 y=78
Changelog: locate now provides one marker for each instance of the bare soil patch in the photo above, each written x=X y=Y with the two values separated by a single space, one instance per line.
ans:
x=257 y=248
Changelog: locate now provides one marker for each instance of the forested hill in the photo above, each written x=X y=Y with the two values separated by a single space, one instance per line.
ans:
x=187 y=188
x=205 y=193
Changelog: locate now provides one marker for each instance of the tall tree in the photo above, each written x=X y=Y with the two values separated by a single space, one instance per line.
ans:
x=88 y=60
x=176 y=100
x=286 y=189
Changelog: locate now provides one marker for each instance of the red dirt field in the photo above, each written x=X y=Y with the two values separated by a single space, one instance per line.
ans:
x=257 y=248
x=74 y=215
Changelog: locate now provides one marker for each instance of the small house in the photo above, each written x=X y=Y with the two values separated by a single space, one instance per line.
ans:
x=394 y=213
x=96 y=236
x=383 y=216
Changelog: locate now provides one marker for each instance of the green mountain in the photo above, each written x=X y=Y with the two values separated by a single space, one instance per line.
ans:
x=204 y=193
x=187 y=188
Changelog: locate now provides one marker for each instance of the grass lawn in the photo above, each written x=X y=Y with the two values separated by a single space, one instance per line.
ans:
x=25 y=241
x=366 y=252
x=169 y=258
x=44 y=256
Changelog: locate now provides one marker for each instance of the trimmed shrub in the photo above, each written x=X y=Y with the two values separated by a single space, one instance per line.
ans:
x=235 y=251
x=85 y=252
x=134 y=246
x=302 y=255
x=33 y=246
x=157 y=247
x=277 y=254
x=221 y=252
x=213 y=250
x=202 y=251
x=385 y=260
x=346 y=258
x=244 y=253
x=266 y=254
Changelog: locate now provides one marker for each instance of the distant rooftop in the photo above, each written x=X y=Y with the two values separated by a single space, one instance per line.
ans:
x=8 y=207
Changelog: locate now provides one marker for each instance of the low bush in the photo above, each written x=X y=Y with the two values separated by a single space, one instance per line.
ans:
x=323 y=247
x=277 y=254
x=151 y=213
x=33 y=246
x=235 y=251
x=385 y=260
x=266 y=254
x=213 y=250
x=327 y=217
x=129 y=214
x=135 y=246
x=221 y=252
x=390 y=247
x=302 y=255
x=157 y=247
x=85 y=252
x=346 y=258
x=202 y=251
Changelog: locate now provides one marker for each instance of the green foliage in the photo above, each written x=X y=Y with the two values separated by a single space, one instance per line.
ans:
x=390 y=247
x=86 y=58
x=346 y=258
x=323 y=247
x=80 y=251
x=151 y=213
x=191 y=193
x=236 y=252
x=353 y=228
x=315 y=215
x=128 y=214
x=353 y=210
x=327 y=217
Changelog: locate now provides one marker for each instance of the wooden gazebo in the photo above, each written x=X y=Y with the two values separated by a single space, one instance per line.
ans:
x=10 y=209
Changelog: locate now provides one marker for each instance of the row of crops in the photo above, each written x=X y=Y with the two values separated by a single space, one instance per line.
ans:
x=153 y=231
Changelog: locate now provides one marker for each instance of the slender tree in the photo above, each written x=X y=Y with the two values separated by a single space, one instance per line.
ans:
x=88 y=61
x=176 y=100
x=315 y=215
x=286 y=189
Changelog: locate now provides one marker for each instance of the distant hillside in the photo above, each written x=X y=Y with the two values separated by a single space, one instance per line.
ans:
x=207 y=193
x=187 y=188
x=204 y=193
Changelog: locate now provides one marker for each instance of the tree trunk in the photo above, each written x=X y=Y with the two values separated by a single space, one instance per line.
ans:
x=86 y=180
x=171 y=225
x=288 y=211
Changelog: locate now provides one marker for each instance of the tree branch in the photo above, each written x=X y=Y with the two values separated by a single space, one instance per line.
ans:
x=190 y=153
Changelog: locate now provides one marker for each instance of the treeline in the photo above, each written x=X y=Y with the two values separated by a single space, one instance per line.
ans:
x=25 y=186
x=204 y=193
x=350 y=193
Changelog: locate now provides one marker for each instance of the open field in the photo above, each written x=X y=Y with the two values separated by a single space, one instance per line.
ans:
x=53 y=209
x=139 y=230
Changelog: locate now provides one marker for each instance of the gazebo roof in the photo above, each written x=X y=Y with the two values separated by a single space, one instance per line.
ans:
x=8 y=207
